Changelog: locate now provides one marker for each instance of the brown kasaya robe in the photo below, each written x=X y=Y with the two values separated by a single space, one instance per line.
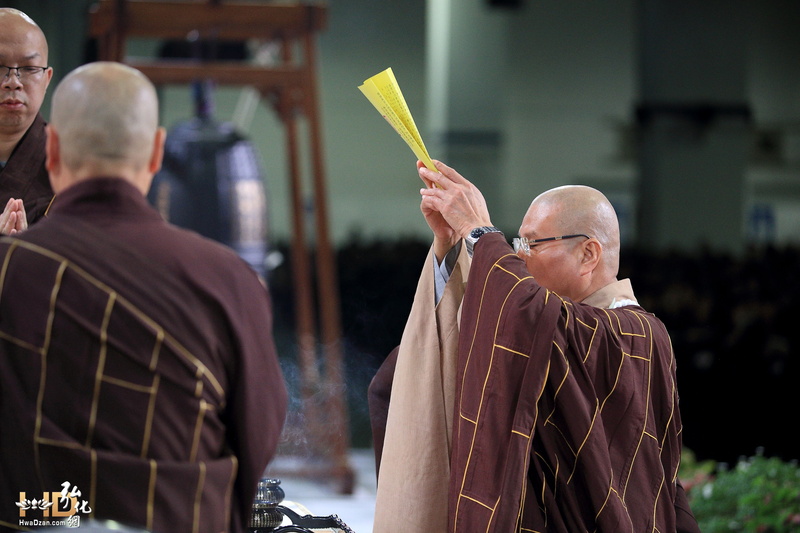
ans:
x=137 y=365
x=25 y=176
x=566 y=415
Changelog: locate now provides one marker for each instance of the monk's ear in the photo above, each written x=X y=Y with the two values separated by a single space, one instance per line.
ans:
x=52 y=151
x=157 y=155
x=592 y=252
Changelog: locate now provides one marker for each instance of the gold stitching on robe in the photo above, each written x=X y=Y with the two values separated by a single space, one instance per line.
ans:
x=162 y=340
x=198 y=497
x=642 y=321
x=93 y=482
x=616 y=380
x=156 y=349
x=609 y=492
x=125 y=384
x=151 y=493
x=6 y=260
x=515 y=352
x=43 y=376
x=478 y=502
x=646 y=412
x=151 y=408
x=229 y=491
x=60 y=443
x=198 y=427
x=480 y=404
x=172 y=342
x=461 y=415
x=585 y=438
x=49 y=204
x=591 y=340
x=485 y=381
x=527 y=462
x=20 y=342
x=567 y=306
x=101 y=366
x=460 y=410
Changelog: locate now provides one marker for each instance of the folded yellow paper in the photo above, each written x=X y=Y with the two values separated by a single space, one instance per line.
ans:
x=384 y=92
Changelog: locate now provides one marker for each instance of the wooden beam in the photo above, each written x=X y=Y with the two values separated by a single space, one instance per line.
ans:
x=222 y=73
x=233 y=21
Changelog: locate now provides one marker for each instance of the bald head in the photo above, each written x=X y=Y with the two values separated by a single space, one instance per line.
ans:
x=579 y=266
x=582 y=209
x=106 y=118
x=20 y=30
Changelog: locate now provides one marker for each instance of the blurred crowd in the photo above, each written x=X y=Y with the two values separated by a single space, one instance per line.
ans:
x=734 y=323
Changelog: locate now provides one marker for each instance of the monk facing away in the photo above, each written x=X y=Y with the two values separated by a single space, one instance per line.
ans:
x=140 y=381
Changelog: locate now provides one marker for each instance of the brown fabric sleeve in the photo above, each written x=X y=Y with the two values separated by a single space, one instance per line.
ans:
x=684 y=518
x=378 y=394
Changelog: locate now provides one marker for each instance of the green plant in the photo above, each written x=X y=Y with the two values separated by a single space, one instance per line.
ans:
x=758 y=495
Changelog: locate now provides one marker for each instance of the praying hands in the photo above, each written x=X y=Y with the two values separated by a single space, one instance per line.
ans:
x=13 y=218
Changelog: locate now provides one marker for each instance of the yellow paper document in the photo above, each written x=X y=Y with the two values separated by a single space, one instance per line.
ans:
x=385 y=94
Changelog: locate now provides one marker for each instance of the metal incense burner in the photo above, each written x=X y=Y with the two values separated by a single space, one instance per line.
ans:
x=268 y=514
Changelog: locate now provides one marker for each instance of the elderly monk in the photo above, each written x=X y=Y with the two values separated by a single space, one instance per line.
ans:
x=139 y=380
x=25 y=192
x=550 y=403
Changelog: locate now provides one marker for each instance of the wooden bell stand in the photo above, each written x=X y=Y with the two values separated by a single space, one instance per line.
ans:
x=290 y=86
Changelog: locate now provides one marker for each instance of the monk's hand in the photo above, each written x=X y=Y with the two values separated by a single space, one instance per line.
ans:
x=13 y=218
x=459 y=203
x=22 y=217
x=444 y=237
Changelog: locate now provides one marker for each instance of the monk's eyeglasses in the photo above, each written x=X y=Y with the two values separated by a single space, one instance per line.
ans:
x=525 y=244
x=23 y=73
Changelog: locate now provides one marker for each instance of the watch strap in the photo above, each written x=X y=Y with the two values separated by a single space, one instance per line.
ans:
x=476 y=234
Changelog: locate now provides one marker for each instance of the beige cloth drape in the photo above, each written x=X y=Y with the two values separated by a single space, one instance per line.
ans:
x=415 y=465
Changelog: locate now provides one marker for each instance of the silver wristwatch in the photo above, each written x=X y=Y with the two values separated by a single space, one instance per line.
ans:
x=476 y=234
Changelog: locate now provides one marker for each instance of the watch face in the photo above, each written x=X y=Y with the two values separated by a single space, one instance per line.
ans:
x=477 y=232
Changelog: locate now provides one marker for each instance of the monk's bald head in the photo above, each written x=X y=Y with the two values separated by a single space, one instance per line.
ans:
x=106 y=116
x=580 y=209
x=19 y=30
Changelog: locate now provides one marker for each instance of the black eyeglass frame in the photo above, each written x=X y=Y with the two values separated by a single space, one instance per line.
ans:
x=525 y=244
x=22 y=73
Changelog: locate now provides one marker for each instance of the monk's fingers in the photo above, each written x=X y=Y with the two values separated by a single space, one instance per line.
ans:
x=8 y=223
x=428 y=183
x=4 y=219
x=429 y=203
x=7 y=210
x=451 y=173
x=431 y=193
x=432 y=179
x=22 y=217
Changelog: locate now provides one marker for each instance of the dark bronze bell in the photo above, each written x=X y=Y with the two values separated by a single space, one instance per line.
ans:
x=211 y=182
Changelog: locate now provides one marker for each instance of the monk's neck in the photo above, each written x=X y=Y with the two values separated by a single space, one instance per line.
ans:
x=7 y=145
